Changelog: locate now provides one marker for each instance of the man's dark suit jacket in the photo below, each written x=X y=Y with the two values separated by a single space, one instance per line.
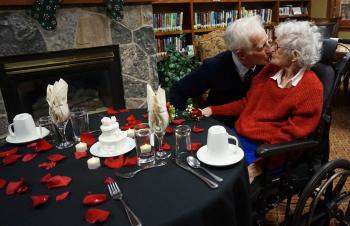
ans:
x=220 y=75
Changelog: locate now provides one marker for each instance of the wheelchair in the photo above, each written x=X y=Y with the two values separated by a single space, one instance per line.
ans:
x=319 y=184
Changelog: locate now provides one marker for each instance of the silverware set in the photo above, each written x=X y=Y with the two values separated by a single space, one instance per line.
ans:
x=133 y=173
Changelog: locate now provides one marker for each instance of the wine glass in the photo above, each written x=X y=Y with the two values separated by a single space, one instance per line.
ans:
x=61 y=123
x=159 y=126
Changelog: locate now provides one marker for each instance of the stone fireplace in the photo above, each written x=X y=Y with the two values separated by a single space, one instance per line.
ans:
x=85 y=27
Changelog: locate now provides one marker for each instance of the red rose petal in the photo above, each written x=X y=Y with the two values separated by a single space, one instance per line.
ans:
x=94 y=199
x=3 y=182
x=197 y=129
x=62 y=196
x=145 y=115
x=80 y=154
x=45 y=178
x=124 y=110
x=28 y=157
x=195 y=146
x=108 y=180
x=94 y=215
x=8 y=152
x=13 y=186
x=111 y=111
x=39 y=200
x=43 y=145
x=11 y=159
x=178 y=121
x=56 y=157
x=195 y=113
x=114 y=162
x=169 y=130
x=32 y=145
x=87 y=138
x=47 y=165
x=132 y=161
x=22 y=189
x=58 y=181
x=166 y=146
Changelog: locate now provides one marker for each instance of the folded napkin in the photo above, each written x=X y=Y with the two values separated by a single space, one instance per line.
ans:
x=57 y=100
x=157 y=110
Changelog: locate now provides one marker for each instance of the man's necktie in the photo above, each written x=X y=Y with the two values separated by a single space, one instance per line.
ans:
x=248 y=76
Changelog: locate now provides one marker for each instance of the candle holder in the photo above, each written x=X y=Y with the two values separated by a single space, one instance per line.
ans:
x=144 y=150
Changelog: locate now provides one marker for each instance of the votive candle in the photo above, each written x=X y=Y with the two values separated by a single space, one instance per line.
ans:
x=93 y=163
x=145 y=148
x=130 y=133
x=80 y=147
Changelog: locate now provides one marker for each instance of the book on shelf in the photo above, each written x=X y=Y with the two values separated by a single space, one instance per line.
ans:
x=214 y=19
x=163 y=43
x=164 y=22
x=265 y=14
x=290 y=10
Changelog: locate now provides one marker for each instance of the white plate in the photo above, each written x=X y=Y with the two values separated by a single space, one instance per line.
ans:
x=14 y=140
x=127 y=146
x=233 y=156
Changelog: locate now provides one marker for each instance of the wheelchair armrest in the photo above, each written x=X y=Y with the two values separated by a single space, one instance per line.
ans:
x=268 y=150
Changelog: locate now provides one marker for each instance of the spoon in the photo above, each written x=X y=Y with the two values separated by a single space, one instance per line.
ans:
x=194 y=163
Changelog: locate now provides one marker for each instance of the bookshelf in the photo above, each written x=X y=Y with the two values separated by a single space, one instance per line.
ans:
x=202 y=16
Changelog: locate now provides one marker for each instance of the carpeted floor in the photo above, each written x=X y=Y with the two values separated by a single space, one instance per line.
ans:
x=339 y=141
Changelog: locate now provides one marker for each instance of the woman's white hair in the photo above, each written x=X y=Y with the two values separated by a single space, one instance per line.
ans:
x=302 y=36
x=239 y=33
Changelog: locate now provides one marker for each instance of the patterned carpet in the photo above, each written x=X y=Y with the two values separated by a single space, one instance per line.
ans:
x=340 y=145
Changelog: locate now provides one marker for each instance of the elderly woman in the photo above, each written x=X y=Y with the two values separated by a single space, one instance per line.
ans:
x=284 y=102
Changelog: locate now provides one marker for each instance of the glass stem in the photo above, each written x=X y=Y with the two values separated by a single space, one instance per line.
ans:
x=62 y=130
x=160 y=142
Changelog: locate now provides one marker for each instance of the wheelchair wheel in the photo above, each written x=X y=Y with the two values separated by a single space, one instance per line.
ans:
x=325 y=199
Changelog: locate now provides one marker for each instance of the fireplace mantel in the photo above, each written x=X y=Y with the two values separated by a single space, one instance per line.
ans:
x=66 y=2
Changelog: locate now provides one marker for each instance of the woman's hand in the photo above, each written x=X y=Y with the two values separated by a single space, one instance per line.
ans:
x=207 y=112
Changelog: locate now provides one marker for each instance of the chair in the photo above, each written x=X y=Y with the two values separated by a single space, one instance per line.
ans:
x=306 y=171
x=327 y=27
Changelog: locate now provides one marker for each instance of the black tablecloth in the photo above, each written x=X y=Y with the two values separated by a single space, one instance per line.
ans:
x=162 y=196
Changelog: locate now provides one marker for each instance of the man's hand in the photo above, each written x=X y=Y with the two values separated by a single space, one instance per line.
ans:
x=207 y=112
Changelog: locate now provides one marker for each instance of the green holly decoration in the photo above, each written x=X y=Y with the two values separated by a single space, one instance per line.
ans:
x=115 y=7
x=44 y=12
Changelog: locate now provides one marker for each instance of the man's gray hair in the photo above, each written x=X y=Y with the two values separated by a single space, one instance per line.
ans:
x=302 y=36
x=239 y=33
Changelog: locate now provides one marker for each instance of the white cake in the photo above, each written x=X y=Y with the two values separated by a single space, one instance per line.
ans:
x=112 y=138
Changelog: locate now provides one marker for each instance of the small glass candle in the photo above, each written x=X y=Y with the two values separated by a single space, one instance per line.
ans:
x=93 y=163
x=130 y=133
x=80 y=147
x=145 y=148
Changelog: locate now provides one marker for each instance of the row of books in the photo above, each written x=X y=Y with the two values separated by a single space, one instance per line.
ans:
x=212 y=19
x=265 y=14
x=167 y=21
x=163 y=43
x=289 y=10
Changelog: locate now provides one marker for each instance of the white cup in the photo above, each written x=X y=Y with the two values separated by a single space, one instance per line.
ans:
x=217 y=140
x=23 y=126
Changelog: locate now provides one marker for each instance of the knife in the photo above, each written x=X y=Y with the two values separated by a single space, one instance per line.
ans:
x=211 y=183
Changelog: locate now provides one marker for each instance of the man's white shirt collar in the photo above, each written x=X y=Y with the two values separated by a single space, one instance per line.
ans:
x=242 y=70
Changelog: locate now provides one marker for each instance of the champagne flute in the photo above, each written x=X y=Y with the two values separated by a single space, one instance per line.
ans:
x=159 y=126
x=61 y=122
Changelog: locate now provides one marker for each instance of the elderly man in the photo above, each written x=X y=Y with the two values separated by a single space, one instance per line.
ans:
x=228 y=74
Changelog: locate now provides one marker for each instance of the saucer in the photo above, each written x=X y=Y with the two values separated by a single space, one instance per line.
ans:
x=127 y=146
x=13 y=140
x=230 y=158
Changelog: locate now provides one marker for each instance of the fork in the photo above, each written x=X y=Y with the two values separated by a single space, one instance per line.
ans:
x=116 y=193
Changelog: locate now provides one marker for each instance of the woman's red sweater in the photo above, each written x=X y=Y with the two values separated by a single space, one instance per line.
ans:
x=269 y=114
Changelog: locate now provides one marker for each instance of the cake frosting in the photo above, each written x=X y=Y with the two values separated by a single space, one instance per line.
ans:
x=111 y=137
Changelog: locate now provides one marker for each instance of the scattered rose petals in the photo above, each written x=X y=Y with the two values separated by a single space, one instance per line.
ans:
x=196 y=113
x=39 y=200
x=56 y=157
x=3 y=182
x=29 y=156
x=87 y=138
x=195 y=146
x=58 y=181
x=8 y=152
x=130 y=161
x=45 y=178
x=22 y=189
x=166 y=146
x=94 y=199
x=132 y=122
x=111 y=111
x=197 y=129
x=145 y=115
x=47 y=165
x=31 y=145
x=94 y=215
x=62 y=196
x=13 y=186
x=123 y=110
x=108 y=180
x=178 y=121
x=169 y=130
x=80 y=154
x=43 y=145
x=114 y=162
x=11 y=159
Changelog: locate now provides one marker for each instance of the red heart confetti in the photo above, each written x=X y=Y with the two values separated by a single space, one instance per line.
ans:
x=195 y=146
x=3 y=182
x=114 y=162
x=108 y=180
x=29 y=156
x=169 y=130
x=11 y=159
x=8 y=152
x=45 y=178
x=130 y=161
x=87 y=138
x=94 y=215
x=178 y=121
x=13 y=186
x=58 y=181
x=47 y=165
x=56 y=157
x=80 y=154
x=197 y=129
x=62 y=196
x=94 y=199
x=166 y=146
x=39 y=200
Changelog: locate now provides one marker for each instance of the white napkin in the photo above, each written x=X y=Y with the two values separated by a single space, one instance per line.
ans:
x=57 y=100
x=157 y=111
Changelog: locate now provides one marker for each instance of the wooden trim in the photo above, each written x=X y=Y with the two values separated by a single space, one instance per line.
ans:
x=64 y=2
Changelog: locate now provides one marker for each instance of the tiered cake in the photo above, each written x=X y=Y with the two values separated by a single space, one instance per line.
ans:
x=112 y=138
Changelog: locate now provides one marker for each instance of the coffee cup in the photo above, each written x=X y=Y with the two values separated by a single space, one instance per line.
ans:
x=23 y=126
x=217 y=140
